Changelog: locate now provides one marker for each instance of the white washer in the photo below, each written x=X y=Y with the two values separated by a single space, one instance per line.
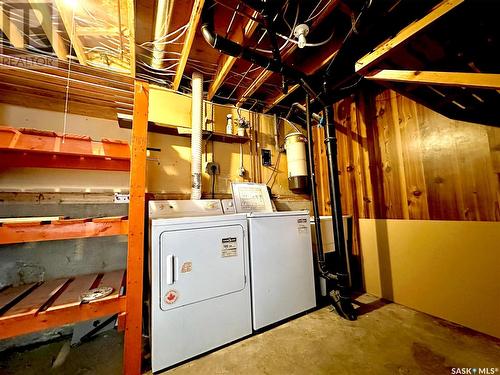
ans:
x=200 y=292
x=281 y=264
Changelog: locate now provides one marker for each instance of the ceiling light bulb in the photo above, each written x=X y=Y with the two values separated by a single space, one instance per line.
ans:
x=300 y=33
x=71 y=3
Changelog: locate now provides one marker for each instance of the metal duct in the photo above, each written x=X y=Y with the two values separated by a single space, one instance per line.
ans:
x=196 y=133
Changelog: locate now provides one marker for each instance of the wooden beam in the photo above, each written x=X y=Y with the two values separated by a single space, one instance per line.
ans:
x=131 y=34
x=313 y=64
x=96 y=31
x=369 y=60
x=67 y=18
x=280 y=97
x=265 y=74
x=135 y=256
x=43 y=13
x=240 y=33
x=472 y=80
x=11 y=30
x=188 y=41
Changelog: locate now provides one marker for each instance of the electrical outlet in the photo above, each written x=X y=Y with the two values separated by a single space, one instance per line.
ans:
x=266 y=157
x=212 y=168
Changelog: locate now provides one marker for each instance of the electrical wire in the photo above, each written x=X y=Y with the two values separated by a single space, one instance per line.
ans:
x=311 y=17
x=275 y=169
x=291 y=33
x=66 y=99
x=291 y=40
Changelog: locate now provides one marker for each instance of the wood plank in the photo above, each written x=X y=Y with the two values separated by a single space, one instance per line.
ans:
x=188 y=42
x=60 y=230
x=56 y=92
x=411 y=149
x=10 y=29
x=276 y=100
x=392 y=196
x=42 y=76
x=67 y=16
x=27 y=323
x=43 y=13
x=36 y=299
x=32 y=219
x=47 y=103
x=131 y=34
x=72 y=293
x=472 y=80
x=441 y=169
x=135 y=256
x=113 y=279
x=60 y=67
x=11 y=295
x=240 y=33
x=382 y=51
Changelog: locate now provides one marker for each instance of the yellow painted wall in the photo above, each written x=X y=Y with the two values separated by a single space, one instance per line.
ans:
x=449 y=269
x=168 y=171
x=171 y=173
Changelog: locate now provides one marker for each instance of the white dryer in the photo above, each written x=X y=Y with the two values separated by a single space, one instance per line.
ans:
x=200 y=286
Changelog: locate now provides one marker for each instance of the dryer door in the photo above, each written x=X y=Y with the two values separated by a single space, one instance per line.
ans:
x=199 y=264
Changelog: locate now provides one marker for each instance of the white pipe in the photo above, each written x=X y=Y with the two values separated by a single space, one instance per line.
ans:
x=196 y=133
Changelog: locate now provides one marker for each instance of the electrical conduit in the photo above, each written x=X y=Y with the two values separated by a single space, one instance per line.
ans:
x=196 y=133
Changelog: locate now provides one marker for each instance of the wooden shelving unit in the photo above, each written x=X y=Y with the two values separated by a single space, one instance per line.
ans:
x=35 y=307
x=181 y=131
x=32 y=231
x=47 y=149
x=39 y=306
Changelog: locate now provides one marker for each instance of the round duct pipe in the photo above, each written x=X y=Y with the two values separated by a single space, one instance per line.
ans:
x=295 y=146
x=196 y=133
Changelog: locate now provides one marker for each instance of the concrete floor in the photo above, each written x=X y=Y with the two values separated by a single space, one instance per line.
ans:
x=386 y=339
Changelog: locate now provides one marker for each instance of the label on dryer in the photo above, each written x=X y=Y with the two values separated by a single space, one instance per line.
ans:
x=229 y=247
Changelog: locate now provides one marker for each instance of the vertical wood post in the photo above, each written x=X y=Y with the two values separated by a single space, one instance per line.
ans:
x=132 y=354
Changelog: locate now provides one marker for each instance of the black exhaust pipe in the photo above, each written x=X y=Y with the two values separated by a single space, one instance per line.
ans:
x=341 y=294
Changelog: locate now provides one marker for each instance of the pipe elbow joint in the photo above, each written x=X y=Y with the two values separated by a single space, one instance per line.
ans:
x=208 y=34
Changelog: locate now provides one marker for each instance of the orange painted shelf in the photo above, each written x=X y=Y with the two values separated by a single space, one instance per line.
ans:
x=39 y=306
x=32 y=231
x=46 y=149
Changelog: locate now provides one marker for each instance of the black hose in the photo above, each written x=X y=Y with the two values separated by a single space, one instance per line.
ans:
x=342 y=295
x=314 y=197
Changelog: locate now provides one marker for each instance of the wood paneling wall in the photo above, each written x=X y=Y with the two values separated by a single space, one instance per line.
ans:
x=400 y=160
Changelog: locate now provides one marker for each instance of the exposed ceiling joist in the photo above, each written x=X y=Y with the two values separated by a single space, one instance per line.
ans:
x=241 y=32
x=96 y=31
x=276 y=100
x=369 y=60
x=314 y=64
x=11 y=30
x=472 y=80
x=43 y=13
x=68 y=20
x=131 y=34
x=188 y=41
x=265 y=74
